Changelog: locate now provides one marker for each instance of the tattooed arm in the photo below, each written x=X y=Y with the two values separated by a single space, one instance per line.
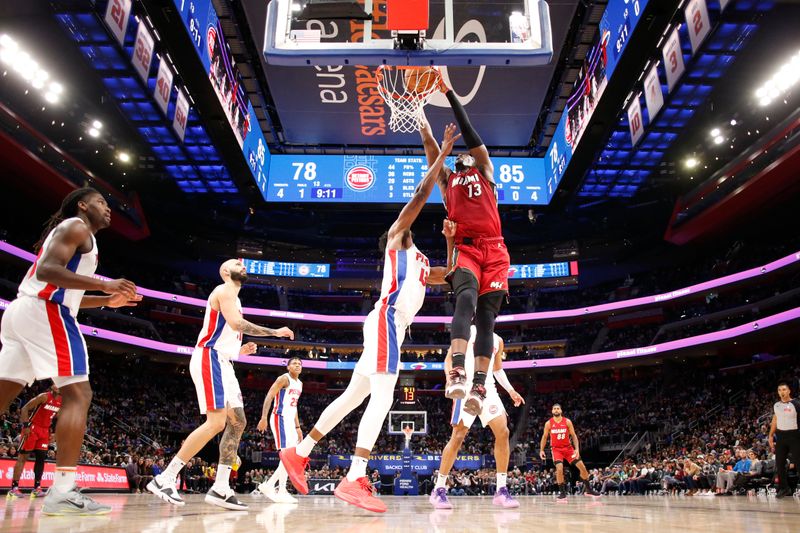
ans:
x=226 y=301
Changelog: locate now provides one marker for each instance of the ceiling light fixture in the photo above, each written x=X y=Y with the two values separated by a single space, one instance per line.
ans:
x=28 y=69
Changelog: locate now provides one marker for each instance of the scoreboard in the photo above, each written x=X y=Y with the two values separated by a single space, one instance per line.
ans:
x=543 y=270
x=389 y=179
x=287 y=270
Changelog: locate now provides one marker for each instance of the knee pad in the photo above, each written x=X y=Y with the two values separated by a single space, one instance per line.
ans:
x=465 y=287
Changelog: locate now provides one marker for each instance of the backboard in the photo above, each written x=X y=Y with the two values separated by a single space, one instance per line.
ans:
x=459 y=32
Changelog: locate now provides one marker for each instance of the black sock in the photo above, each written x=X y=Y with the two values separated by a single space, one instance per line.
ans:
x=561 y=488
x=458 y=359
x=14 y=484
x=479 y=378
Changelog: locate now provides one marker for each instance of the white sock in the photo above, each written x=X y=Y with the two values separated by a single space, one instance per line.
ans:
x=501 y=480
x=304 y=448
x=441 y=481
x=283 y=477
x=358 y=468
x=64 y=478
x=173 y=469
x=223 y=477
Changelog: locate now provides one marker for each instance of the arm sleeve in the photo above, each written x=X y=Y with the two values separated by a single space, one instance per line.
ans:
x=471 y=137
x=502 y=380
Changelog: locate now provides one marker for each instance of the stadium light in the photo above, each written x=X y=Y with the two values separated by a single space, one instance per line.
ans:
x=26 y=66
x=781 y=82
x=691 y=162
x=124 y=157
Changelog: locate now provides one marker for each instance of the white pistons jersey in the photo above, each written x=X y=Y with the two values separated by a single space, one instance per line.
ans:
x=405 y=273
x=469 y=361
x=81 y=264
x=218 y=335
x=285 y=403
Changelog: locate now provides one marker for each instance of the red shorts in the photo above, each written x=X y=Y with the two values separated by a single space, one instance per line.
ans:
x=488 y=260
x=564 y=454
x=38 y=439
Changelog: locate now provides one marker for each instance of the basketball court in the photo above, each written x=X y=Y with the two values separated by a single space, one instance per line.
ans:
x=611 y=514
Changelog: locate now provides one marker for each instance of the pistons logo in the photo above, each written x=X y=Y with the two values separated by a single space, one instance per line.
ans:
x=360 y=178
x=493 y=410
x=304 y=270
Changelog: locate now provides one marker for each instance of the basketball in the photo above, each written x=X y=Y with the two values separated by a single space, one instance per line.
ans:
x=420 y=80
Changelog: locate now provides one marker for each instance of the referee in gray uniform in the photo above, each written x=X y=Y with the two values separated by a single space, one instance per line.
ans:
x=784 y=425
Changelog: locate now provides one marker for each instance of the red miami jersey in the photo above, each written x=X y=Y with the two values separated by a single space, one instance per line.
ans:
x=42 y=417
x=559 y=434
x=471 y=203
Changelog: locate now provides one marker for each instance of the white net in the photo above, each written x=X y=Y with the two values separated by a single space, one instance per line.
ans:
x=406 y=103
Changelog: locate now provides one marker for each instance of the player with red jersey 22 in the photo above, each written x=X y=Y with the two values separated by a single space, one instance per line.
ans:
x=561 y=431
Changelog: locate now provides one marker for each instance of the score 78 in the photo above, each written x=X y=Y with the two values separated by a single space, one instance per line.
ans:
x=310 y=172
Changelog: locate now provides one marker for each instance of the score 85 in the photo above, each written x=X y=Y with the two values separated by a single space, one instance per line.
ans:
x=308 y=170
x=509 y=173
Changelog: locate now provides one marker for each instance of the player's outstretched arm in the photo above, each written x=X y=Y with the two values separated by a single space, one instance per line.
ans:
x=432 y=152
x=227 y=306
x=473 y=141
x=52 y=265
x=502 y=379
x=438 y=275
x=542 y=442
x=411 y=210
x=281 y=383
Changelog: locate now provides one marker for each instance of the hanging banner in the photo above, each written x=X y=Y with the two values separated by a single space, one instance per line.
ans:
x=181 y=115
x=163 y=85
x=653 y=96
x=117 y=14
x=673 y=59
x=635 y=120
x=698 y=22
x=143 y=52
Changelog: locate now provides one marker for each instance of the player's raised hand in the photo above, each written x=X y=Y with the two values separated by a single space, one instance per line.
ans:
x=516 y=398
x=449 y=138
x=249 y=349
x=285 y=332
x=542 y=456
x=449 y=228
x=120 y=300
x=262 y=425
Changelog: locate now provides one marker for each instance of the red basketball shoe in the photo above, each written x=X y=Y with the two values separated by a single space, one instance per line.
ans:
x=359 y=493
x=296 y=468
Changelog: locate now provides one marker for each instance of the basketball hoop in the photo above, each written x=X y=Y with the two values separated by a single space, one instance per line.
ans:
x=408 y=431
x=406 y=103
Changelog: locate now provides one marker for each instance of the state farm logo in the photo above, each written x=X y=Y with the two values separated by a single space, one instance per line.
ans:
x=360 y=178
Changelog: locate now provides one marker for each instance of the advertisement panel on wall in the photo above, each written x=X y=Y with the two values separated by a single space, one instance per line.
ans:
x=616 y=27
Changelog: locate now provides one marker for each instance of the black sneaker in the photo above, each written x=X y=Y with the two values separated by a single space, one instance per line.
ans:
x=456 y=384
x=591 y=492
x=562 y=497
x=228 y=500
x=474 y=404
x=782 y=493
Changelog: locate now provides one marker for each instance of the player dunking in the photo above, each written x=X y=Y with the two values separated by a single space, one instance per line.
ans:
x=284 y=422
x=36 y=416
x=41 y=338
x=218 y=392
x=493 y=415
x=561 y=431
x=405 y=274
x=480 y=267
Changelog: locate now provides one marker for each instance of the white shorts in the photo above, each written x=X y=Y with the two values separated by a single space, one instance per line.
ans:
x=284 y=431
x=214 y=380
x=384 y=333
x=492 y=408
x=42 y=340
